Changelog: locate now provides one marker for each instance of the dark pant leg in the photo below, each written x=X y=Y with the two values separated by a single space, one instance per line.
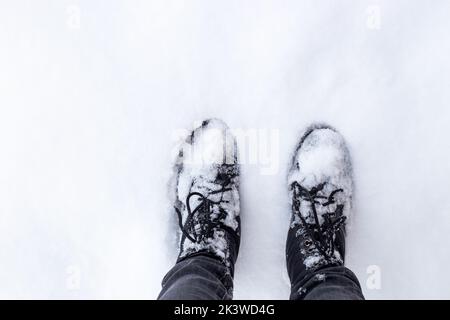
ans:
x=329 y=283
x=199 y=277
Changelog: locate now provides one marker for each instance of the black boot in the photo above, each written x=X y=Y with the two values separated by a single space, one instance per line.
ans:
x=207 y=194
x=321 y=187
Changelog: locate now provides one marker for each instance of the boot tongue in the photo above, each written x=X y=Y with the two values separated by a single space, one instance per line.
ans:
x=323 y=206
x=323 y=218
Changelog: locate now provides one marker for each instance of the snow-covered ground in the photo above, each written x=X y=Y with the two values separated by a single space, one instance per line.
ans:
x=93 y=95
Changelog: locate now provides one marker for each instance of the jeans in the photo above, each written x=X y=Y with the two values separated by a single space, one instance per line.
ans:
x=202 y=277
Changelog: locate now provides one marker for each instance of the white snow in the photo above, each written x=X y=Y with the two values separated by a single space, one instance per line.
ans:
x=312 y=261
x=94 y=96
x=320 y=277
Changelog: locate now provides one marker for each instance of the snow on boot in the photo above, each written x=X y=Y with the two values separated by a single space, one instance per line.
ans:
x=321 y=186
x=207 y=194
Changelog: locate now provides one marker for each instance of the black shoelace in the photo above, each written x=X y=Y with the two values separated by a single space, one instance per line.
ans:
x=200 y=217
x=322 y=235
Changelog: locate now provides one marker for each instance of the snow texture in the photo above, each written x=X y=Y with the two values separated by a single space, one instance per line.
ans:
x=95 y=96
